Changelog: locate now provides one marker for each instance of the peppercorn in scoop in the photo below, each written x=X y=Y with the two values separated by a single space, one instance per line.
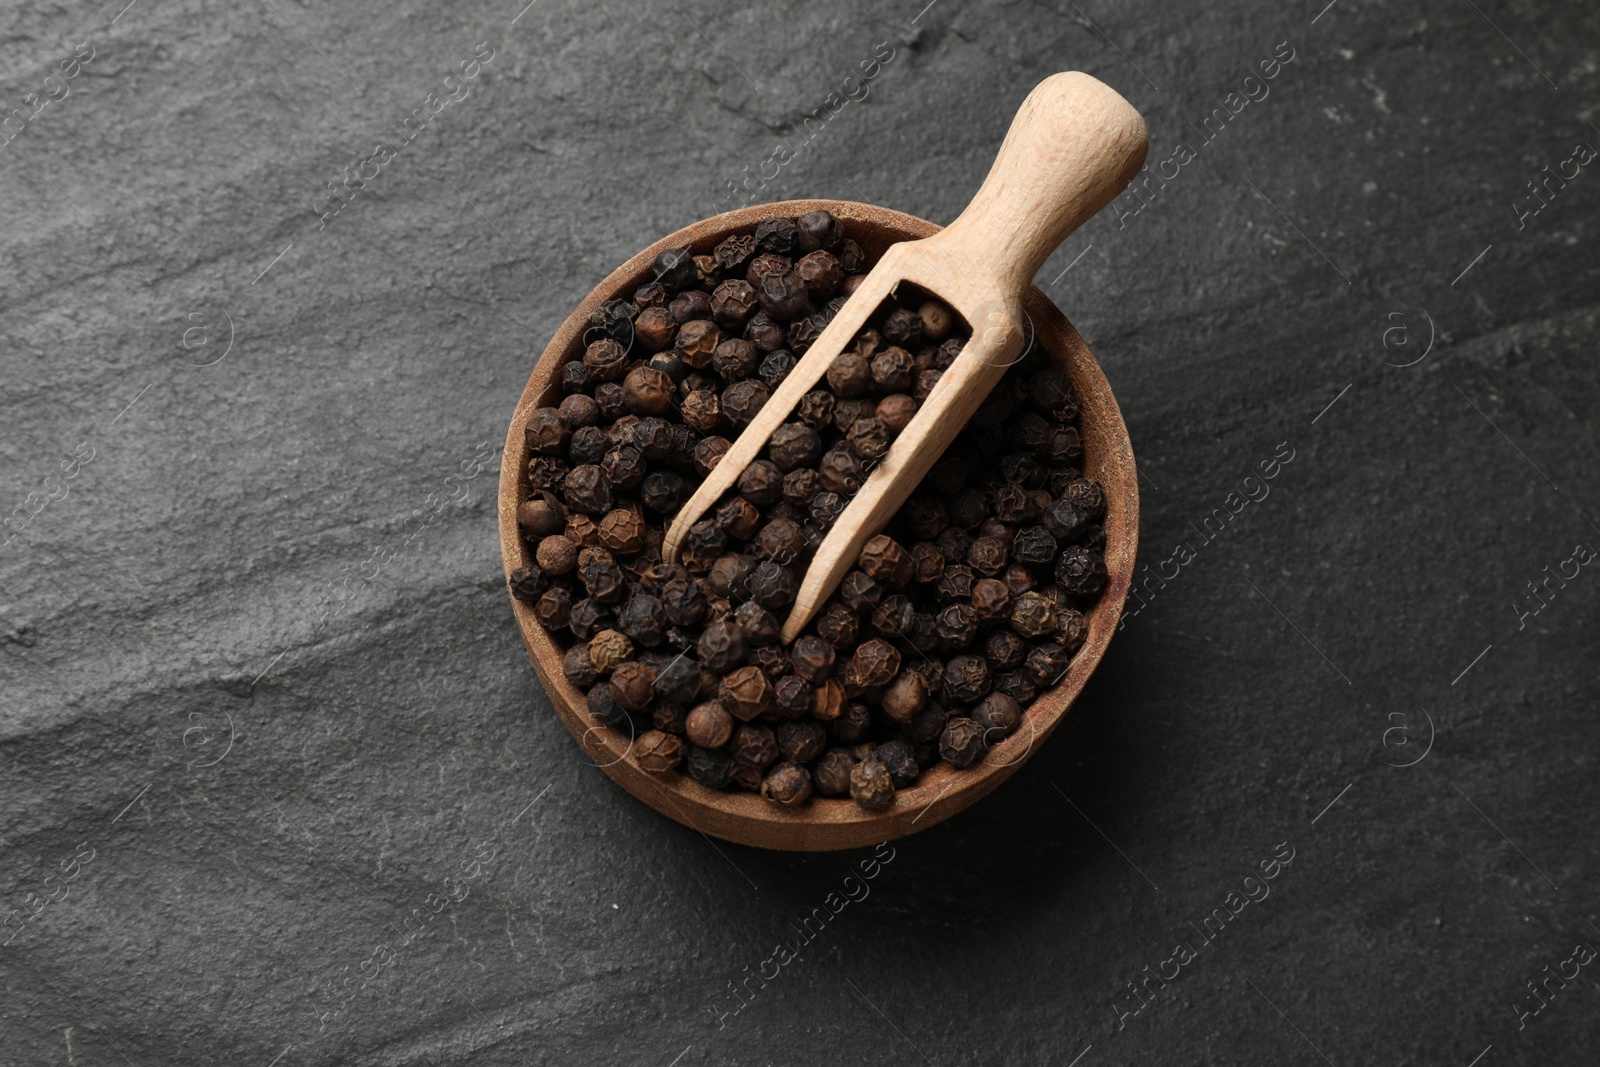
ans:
x=968 y=606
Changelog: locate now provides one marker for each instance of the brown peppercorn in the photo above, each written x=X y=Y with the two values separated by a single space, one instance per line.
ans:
x=816 y=409
x=721 y=646
x=839 y=625
x=840 y=471
x=962 y=742
x=987 y=556
x=608 y=398
x=1004 y=650
x=905 y=697
x=896 y=411
x=1046 y=665
x=622 y=532
x=546 y=431
x=655 y=328
x=771 y=660
x=991 y=601
x=875 y=663
x=709 y=452
x=801 y=742
x=546 y=472
x=746 y=778
x=585 y=489
x=605 y=360
x=892 y=370
x=697 y=342
x=578 y=668
x=937 y=320
x=646 y=391
x=632 y=683
x=832 y=772
x=927 y=563
x=745 y=693
x=732 y=303
x=885 y=560
x=966 y=679
x=820 y=273
x=1086 y=495
x=1034 y=615
x=742 y=401
x=607 y=649
x=733 y=255
x=764 y=333
x=754 y=746
x=849 y=375
x=738 y=518
x=541 y=515
x=923 y=387
x=761 y=483
x=556 y=555
x=827 y=700
x=781 y=541
x=794 y=444
x=787 y=784
x=871 y=786
x=709 y=725
x=860 y=591
x=651 y=295
x=658 y=751
x=702 y=409
x=689 y=304
x=801 y=486
x=735 y=359
x=579 y=410
x=1081 y=571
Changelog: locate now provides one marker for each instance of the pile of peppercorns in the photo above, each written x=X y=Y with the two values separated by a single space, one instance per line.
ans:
x=968 y=606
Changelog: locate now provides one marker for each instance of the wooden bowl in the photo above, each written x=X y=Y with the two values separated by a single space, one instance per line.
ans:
x=826 y=823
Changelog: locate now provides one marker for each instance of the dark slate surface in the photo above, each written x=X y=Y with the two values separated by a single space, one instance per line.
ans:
x=241 y=784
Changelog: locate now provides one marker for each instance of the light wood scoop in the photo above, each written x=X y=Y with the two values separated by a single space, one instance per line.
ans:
x=1074 y=145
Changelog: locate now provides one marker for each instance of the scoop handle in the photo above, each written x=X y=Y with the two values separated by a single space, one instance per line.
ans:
x=1073 y=147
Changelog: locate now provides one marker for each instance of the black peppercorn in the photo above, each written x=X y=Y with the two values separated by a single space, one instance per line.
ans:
x=1081 y=571
x=962 y=742
x=966 y=679
x=742 y=400
x=782 y=295
x=826 y=507
x=860 y=591
x=999 y=715
x=663 y=492
x=956 y=626
x=721 y=646
x=987 y=556
x=701 y=545
x=674 y=268
x=818 y=229
x=840 y=471
x=547 y=431
x=604 y=707
x=682 y=599
x=771 y=660
x=776 y=367
x=1015 y=684
x=773 y=585
x=1072 y=629
x=589 y=617
x=1046 y=665
x=733 y=253
x=1014 y=504
x=869 y=438
x=832 y=773
x=553 y=609
x=644 y=619
x=955 y=585
x=839 y=625
x=1034 y=546
x=801 y=486
x=893 y=369
x=709 y=452
x=585 y=489
x=589 y=446
x=527 y=583
x=816 y=409
x=1004 y=650
x=764 y=333
x=791 y=698
x=1034 y=615
x=991 y=601
x=777 y=236
x=608 y=398
x=900 y=760
x=679 y=680
x=794 y=444
x=853 y=725
x=709 y=767
x=894 y=617
x=781 y=541
x=849 y=375
x=1065 y=520
x=927 y=563
x=753 y=746
x=738 y=518
x=902 y=327
x=575 y=378
x=1065 y=446
x=601 y=577
x=578 y=668
x=758 y=625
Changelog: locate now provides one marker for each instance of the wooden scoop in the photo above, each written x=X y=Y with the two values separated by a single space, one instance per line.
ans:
x=1074 y=145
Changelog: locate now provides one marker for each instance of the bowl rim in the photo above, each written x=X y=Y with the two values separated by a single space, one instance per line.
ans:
x=826 y=823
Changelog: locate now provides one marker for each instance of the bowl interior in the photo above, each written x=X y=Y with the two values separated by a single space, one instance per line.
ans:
x=830 y=823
